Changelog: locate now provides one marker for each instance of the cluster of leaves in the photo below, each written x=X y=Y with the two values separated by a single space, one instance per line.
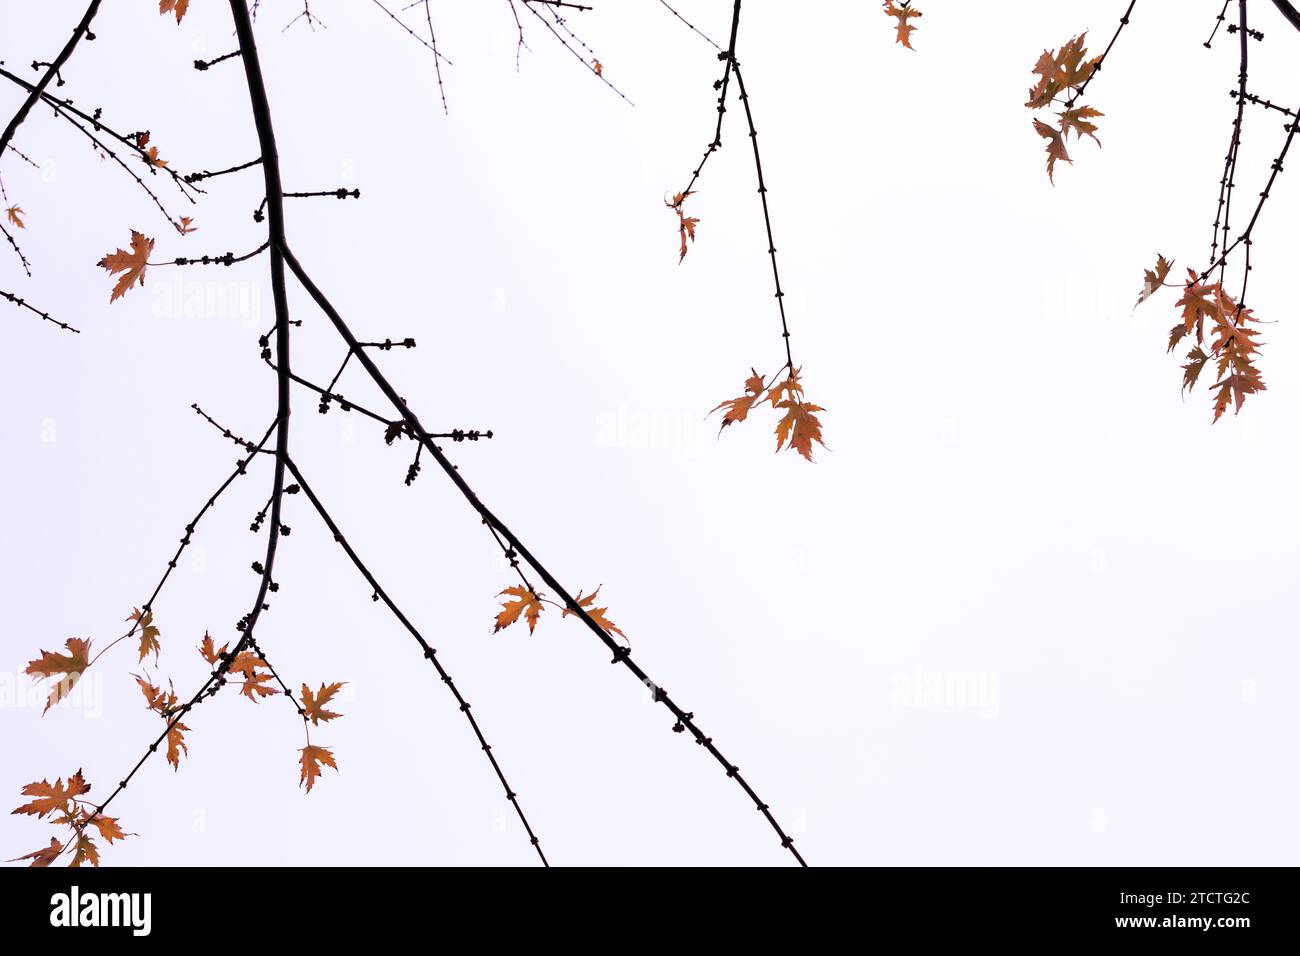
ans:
x=1064 y=72
x=685 y=224
x=797 y=429
x=255 y=683
x=526 y=603
x=1233 y=345
x=903 y=12
x=64 y=805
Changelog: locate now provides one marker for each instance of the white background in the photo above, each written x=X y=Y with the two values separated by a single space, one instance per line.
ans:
x=1015 y=499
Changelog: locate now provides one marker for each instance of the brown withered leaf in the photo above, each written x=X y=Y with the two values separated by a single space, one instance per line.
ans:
x=1153 y=279
x=131 y=264
x=1077 y=121
x=67 y=667
x=902 y=12
x=1066 y=69
x=15 y=214
x=42 y=857
x=1055 y=147
x=686 y=229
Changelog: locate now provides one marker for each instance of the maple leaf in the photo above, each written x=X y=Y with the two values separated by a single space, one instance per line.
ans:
x=131 y=264
x=597 y=614
x=1192 y=370
x=108 y=828
x=257 y=686
x=185 y=228
x=179 y=7
x=394 y=431
x=176 y=744
x=14 y=213
x=1197 y=304
x=738 y=408
x=678 y=199
x=686 y=229
x=246 y=664
x=1055 y=147
x=1063 y=70
x=1235 y=347
x=1175 y=335
x=525 y=602
x=209 y=651
x=598 y=68
x=148 y=633
x=312 y=758
x=42 y=857
x=151 y=157
x=70 y=666
x=1153 y=279
x=902 y=14
x=52 y=797
x=1077 y=121
x=313 y=705
x=790 y=389
x=86 y=852
x=800 y=427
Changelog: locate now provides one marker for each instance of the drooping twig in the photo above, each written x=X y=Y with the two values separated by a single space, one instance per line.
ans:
x=82 y=29
x=430 y=654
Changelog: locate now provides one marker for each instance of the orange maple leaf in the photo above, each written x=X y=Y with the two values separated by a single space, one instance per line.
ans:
x=598 y=68
x=52 y=797
x=312 y=758
x=86 y=852
x=902 y=14
x=255 y=686
x=108 y=827
x=738 y=408
x=148 y=633
x=313 y=705
x=800 y=427
x=163 y=704
x=179 y=7
x=209 y=651
x=131 y=264
x=597 y=614
x=69 y=666
x=185 y=227
x=14 y=213
x=525 y=602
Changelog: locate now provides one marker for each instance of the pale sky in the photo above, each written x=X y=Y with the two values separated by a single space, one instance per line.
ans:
x=1029 y=607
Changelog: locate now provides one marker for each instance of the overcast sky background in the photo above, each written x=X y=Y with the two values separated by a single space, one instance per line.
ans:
x=1030 y=607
